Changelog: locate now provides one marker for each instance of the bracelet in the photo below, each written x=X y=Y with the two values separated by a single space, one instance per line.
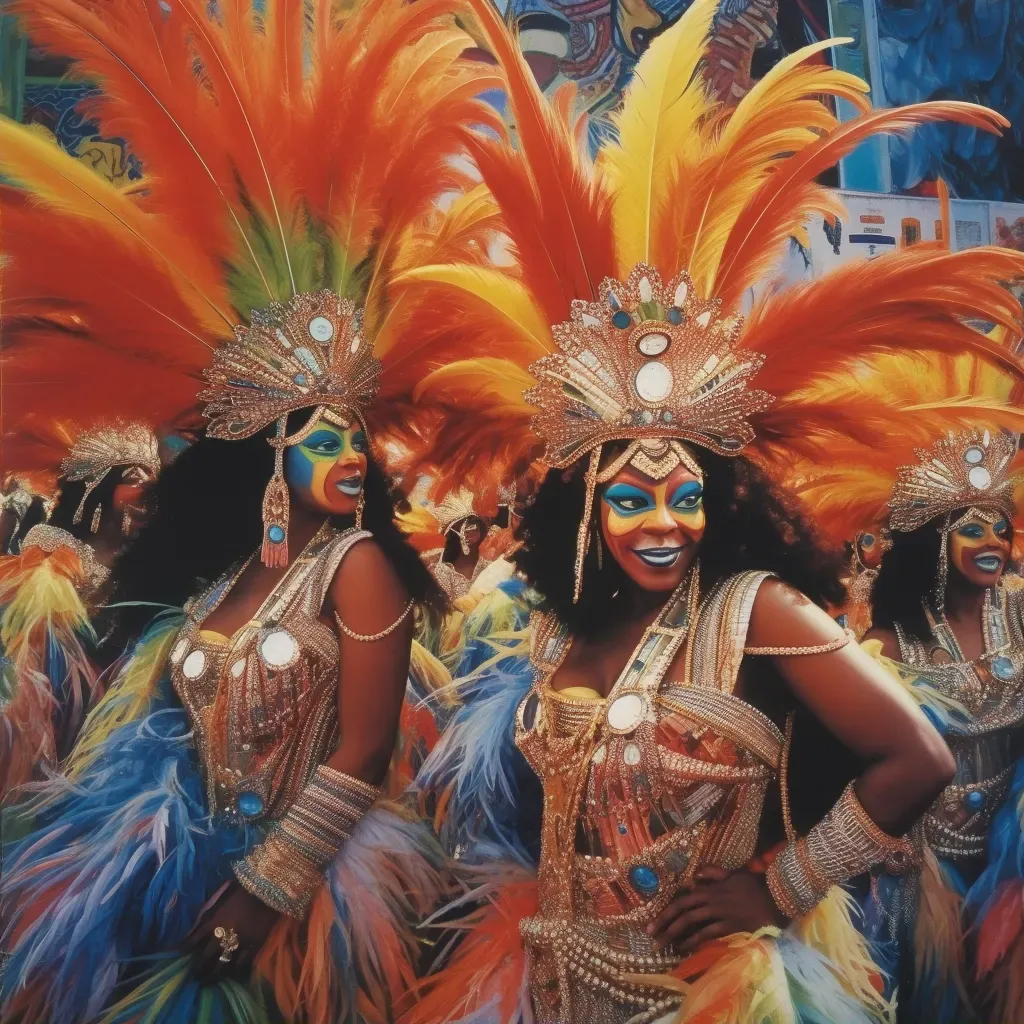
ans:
x=286 y=869
x=367 y=638
x=832 y=645
x=845 y=843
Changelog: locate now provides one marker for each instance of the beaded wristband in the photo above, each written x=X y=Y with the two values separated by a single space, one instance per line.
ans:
x=287 y=868
x=845 y=843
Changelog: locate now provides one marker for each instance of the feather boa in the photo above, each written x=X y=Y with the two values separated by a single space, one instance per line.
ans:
x=47 y=678
x=817 y=972
x=479 y=783
x=123 y=856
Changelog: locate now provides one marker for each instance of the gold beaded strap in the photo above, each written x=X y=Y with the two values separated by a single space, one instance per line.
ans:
x=845 y=843
x=286 y=869
x=367 y=638
x=832 y=645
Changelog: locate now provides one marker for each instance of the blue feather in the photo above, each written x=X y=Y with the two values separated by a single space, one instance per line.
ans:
x=495 y=795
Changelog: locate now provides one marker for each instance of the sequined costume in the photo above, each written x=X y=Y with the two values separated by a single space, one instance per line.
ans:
x=279 y=140
x=615 y=339
x=921 y=921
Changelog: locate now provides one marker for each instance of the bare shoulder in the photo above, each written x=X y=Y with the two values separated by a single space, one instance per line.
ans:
x=887 y=638
x=367 y=577
x=783 y=617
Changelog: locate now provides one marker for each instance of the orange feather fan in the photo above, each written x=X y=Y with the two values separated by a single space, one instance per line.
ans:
x=690 y=184
x=278 y=145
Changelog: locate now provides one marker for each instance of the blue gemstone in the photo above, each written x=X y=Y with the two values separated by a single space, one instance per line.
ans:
x=622 y=319
x=622 y=829
x=1002 y=668
x=974 y=800
x=276 y=534
x=674 y=315
x=300 y=379
x=644 y=879
x=250 y=804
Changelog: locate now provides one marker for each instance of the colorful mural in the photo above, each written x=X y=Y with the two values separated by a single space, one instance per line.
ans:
x=939 y=49
x=596 y=43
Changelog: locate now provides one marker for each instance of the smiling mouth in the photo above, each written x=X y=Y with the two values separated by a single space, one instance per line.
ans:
x=350 y=486
x=658 y=558
x=988 y=563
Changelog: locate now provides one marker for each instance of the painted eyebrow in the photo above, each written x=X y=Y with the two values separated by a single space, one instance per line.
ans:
x=322 y=435
x=687 y=490
x=627 y=491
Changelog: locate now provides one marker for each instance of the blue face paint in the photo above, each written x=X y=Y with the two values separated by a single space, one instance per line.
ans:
x=687 y=497
x=1002 y=528
x=973 y=531
x=298 y=467
x=628 y=500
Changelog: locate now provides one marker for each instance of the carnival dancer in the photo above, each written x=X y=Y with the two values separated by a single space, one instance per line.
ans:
x=676 y=879
x=219 y=849
x=50 y=593
x=457 y=564
x=944 y=490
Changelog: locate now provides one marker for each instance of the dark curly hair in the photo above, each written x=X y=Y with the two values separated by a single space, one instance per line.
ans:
x=205 y=515
x=749 y=526
x=907 y=577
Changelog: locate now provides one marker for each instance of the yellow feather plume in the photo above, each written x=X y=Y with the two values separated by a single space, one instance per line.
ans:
x=658 y=130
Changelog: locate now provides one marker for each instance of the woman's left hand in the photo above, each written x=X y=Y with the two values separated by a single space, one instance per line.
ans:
x=238 y=912
x=719 y=904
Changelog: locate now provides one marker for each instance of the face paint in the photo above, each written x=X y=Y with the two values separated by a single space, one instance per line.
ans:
x=979 y=550
x=327 y=468
x=653 y=528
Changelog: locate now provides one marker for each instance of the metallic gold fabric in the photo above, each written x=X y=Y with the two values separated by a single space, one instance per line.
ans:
x=641 y=789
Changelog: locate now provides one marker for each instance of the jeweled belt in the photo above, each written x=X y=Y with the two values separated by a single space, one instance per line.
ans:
x=980 y=800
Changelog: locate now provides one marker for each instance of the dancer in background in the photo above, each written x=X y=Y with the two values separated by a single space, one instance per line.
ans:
x=678 y=876
x=51 y=626
x=942 y=617
x=220 y=848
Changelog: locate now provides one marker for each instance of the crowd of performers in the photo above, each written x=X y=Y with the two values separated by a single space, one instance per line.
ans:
x=447 y=578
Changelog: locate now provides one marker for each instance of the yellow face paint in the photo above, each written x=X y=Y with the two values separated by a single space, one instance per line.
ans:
x=327 y=468
x=653 y=528
x=979 y=550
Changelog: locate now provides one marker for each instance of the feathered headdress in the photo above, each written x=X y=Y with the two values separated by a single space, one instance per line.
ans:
x=284 y=153
x=642 y=259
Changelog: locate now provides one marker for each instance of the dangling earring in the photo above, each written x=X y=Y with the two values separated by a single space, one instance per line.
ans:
x=96 y=517
x=942 y=573
x=583 y=533
x=464 y=544
x=276 y=509
x=599 y=543
x=360 y=505
x=126 y=520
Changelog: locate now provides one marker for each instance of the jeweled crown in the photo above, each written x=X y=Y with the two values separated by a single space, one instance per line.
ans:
x=961 y=470
x=107 y=445
x=456 y=506
x=649 y=360
x=310 y=352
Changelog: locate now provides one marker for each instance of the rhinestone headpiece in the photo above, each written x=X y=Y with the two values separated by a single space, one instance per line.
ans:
x=650 y=360
x=961 y=470
x=456 y=506
x=99 y=450
x=307 y=353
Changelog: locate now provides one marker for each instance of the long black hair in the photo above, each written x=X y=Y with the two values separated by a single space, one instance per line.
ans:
x=206 y=516
x=750 y=525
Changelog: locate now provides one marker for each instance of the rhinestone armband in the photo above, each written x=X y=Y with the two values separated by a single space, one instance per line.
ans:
x=845 y=843
x=287 y=868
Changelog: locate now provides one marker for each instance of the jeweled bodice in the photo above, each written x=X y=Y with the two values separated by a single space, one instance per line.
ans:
x=264 y=702
x=641 y=789
x=988 y=743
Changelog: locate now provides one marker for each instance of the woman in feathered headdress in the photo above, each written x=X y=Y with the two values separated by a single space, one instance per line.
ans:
x=946 y=490
x=50 y=591
x=681 y=872
x=219 y=849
